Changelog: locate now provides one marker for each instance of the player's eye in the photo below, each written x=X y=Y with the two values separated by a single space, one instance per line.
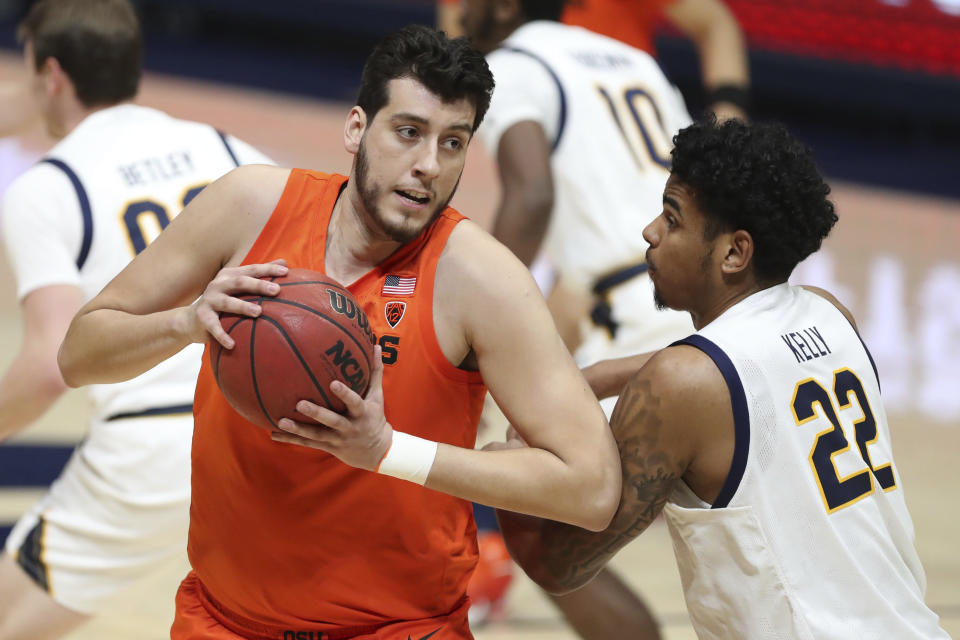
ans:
x=407 y=132
x=454 y=144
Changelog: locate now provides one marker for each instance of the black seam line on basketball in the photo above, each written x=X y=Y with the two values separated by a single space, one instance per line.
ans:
x=321 y=282
x=216 y=368
x=253 y=376
x=335 y=286
x=303 y=362
x=331 y=320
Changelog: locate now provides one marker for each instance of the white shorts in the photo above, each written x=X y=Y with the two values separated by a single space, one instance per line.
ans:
x=641 y=327
x=118 y=512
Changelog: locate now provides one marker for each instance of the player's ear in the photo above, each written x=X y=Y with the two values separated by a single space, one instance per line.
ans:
x=353 y=129
x=739 y=252
x=55 y=79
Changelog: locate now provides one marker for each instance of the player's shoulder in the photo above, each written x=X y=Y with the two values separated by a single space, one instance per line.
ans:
x=471 y=248
x=829 y=297
x=678 y=392
x=681 y=368
x=255 y=182
x=474 y=258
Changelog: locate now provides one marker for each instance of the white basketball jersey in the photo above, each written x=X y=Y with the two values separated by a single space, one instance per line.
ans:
x=97 y=199
x=810 y=537
x=610 y=114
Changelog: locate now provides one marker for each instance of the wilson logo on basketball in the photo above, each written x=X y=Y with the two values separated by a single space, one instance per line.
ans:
x=344 y=306
x=393 y=312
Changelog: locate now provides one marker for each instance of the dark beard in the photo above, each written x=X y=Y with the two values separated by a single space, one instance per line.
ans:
x=368 y=198
x=658 y=301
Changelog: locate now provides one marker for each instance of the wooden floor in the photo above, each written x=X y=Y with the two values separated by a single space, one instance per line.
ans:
x=883 y=238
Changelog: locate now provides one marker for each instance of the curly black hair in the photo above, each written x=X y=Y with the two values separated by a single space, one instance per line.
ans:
x=450 y=68
x=759 y=178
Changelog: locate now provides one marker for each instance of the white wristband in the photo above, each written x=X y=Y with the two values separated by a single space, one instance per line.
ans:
x=408 y=458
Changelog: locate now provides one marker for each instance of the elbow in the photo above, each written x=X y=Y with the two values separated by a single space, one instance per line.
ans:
x=600 y=513
x=69 y=372
x=602 y=499
x=538 y=205
x=597 y=505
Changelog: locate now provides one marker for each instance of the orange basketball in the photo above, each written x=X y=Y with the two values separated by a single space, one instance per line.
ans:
x=312 y=333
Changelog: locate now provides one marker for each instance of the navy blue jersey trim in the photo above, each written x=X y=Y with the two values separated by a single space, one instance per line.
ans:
x=171 y=410
x=226 y=143
x=563 y=96
x=873 y=364
x=741 y=416
x=85 y=209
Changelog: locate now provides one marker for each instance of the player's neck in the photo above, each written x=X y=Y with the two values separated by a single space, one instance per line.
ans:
x=723 y=300
x=354 y=247
x=69 y=115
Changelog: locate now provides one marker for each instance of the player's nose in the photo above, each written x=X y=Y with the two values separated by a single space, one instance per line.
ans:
x=427 y=162
x=651 y=233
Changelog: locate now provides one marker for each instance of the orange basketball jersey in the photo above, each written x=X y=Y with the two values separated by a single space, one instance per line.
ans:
x=291 y=538
x=630 y=21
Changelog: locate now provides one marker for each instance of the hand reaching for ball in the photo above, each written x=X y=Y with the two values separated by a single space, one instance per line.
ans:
x=202 y=318
x=359 y=438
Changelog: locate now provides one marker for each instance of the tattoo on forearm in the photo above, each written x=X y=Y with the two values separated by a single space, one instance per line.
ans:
x=574 y=555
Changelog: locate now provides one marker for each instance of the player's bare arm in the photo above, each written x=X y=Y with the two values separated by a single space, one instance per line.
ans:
x=607 y=377
x=33 y=382
x=170 y=295
x=493 y=312
x=720 y=44
x=660 y=420
x=489 y=315
x=526 y=179
x=829 y=297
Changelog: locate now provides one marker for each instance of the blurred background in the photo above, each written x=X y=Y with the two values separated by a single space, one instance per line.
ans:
x=873 y=86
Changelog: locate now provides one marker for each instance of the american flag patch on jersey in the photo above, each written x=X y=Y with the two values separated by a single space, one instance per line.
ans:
x=395 y=285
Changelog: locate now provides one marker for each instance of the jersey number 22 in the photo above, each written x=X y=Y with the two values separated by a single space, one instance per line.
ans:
x=840 y=492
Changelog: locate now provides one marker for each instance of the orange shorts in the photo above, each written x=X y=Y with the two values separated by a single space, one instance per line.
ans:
x=198 y=618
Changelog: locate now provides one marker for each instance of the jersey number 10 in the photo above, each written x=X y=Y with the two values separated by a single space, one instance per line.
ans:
x=840 y=492
x=639 y=120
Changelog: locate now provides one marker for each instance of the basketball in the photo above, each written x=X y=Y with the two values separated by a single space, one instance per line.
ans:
x=312 y=333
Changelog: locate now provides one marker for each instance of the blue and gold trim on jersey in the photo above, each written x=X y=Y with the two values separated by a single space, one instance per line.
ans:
x=30 y=556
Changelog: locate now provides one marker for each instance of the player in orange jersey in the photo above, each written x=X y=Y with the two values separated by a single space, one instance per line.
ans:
x=371 y=536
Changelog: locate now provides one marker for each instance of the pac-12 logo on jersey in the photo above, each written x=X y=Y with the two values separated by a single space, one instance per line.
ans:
x=393 y=312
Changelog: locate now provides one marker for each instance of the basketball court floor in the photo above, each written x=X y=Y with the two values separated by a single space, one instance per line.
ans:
x=892 y=259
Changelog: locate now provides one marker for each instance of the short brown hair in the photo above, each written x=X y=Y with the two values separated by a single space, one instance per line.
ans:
x=449 y=68
x=97 y=43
